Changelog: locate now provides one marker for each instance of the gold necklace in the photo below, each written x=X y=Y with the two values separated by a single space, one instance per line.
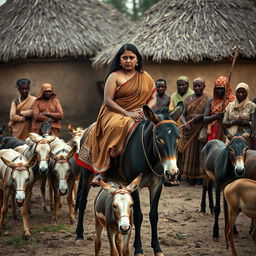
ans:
x=129 y=77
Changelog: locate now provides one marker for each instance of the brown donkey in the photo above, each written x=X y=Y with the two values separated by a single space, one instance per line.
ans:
x=113 y=209
x=239 y=196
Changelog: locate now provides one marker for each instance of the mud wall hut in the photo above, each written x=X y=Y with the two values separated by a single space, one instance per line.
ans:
x=53 y=41
x=194 y=38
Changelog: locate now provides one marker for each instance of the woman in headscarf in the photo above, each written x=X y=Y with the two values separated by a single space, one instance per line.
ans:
x=21 y=111
x=47 y=108
x=215 y=107
x=238 y=114
x=189 y=145
x=181 y=93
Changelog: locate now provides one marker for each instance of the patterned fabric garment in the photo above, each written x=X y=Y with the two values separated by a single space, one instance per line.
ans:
x=106 y=138
x=219 y=105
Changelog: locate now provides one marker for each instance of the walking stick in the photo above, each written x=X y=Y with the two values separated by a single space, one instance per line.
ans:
x=235 y=49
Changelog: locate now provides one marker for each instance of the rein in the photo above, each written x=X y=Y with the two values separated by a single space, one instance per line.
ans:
x=158 y=153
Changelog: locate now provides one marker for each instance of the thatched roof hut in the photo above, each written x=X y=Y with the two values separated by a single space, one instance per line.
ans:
x=56 y=28
x=192 y=30
x=52 y=41
x=193 y=38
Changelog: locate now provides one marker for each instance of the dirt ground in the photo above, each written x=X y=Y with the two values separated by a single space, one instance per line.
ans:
x=183 y=231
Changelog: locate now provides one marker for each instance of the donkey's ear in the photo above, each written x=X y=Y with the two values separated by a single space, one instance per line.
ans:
x=150 y=115
x=34 y=137
x=227 y=133
x=106 y=186
x=51 y=139
x=8 y=162
x=32 y=161
x=177 y=111
x=72 y=152
x=70 y=128
x=135 y=184
x=53 y=156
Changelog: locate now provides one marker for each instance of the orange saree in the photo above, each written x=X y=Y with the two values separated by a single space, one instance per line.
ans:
x=18 y=125
x=107 y=136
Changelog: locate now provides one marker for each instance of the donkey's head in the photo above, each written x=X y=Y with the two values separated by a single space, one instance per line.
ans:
x=165 y=138
x=42 y=149
x=76 y=134
x=45 y=128
x=62 y=168
x=237 y=148
x=122 y=203
x=21 y=175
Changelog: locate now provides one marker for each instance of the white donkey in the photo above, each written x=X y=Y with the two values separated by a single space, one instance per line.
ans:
x=113 y=210
x=16 y=177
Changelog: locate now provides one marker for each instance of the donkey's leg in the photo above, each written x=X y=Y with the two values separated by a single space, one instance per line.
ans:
x=98 y=231
x=203 y=198
x=24 y=214
x=126 y=244
x=217 y=213
x=70 y=202
x=155 y=193
x=138 y=217
x=4 y=210
x=118 y=241
x=81 y=201
x=210 y=196
x=42 y=188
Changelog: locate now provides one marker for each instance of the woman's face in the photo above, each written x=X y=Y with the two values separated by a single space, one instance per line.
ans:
x=47 y=94
x=198 y=87
x=220 y=92
x=24 y=90
x=128 y=60
x=241 y=94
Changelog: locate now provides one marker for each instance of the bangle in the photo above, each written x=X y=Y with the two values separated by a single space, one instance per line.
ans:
x=123 y=112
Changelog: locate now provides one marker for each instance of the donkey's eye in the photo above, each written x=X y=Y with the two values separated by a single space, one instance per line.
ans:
x=27 y=180
x=232 y=150
x=114 y=206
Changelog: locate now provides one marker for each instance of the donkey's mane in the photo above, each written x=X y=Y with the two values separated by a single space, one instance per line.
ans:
x=163 y=111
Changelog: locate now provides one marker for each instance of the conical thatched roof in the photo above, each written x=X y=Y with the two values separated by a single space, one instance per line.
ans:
x=191 y=30
x=56 y=28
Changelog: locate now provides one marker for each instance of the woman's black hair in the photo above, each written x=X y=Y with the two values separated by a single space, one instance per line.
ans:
x=22 y=81
x=115 y=64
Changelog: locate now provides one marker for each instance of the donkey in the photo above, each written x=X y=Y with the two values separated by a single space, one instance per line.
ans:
x=63 y=175
x=222 y=164
x=239 y=196
x=113 y=210
x=16 y=177
x=76 y=134
x=153 y=141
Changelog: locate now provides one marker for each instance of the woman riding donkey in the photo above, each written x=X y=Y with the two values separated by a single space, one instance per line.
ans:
x=127 y=89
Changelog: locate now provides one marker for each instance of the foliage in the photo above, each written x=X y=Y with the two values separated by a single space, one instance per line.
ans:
x=133 y=8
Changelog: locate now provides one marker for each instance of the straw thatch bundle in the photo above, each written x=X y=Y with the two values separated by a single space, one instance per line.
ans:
x=191 y=30
x=56 y=28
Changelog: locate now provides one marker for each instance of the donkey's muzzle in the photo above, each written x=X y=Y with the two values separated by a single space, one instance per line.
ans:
x=171 y=177
x=20 y=202
x=43 y=170
x=124 y=229
x=63 y=192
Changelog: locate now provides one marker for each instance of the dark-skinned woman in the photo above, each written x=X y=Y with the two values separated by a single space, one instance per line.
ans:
x=189 y=145
x=215 y=107
x=238 y=114
x=21 y=111
x=127 y=89
x=47 y=108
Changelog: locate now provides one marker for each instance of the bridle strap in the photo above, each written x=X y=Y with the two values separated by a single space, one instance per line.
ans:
x=166 y=122
x=144 y=151
x=120 y=191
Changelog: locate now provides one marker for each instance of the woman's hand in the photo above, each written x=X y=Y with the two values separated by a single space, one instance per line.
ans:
x=137 y=114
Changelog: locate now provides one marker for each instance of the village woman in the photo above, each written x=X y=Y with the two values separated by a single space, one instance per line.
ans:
x=47 y=108
x=238 y=114
x=215 y=107
x=189 y=145
x=21 y=111
x=127 y=89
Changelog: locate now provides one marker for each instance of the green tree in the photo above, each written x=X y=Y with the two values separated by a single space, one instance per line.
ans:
x=136 y=7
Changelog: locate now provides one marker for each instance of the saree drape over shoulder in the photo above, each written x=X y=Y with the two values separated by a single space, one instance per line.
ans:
x=107 y=136
x=189 y=144
x=18 y=125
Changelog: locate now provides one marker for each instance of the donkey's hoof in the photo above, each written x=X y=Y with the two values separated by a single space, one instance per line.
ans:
x=80 y=242
x=27 y=235
x=159 y=254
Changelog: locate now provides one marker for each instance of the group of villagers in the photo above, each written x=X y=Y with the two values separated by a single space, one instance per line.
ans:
x=127 y=88
x=205 y=117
